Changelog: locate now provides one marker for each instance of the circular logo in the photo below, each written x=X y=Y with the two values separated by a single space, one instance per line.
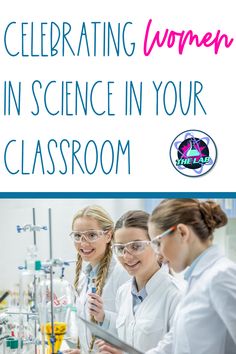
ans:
x=193 y=153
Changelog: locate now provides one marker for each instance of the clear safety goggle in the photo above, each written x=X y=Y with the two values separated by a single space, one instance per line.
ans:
x=89 y=235
x=134 y=247
x=156 y=240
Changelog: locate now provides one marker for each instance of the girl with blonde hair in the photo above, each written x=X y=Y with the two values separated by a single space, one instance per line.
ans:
x=96 y=270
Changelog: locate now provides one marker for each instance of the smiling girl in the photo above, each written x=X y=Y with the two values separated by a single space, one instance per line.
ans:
x=146 y=304
x=96 y=269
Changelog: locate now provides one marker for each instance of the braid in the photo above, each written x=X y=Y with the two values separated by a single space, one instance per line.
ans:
x=76 y=281
x=103 y=270
x=77 y=270
x=100 y=282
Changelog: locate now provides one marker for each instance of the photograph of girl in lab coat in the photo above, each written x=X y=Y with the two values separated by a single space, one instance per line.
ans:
x=146 y=304
x=205 y=323
x=96 y=268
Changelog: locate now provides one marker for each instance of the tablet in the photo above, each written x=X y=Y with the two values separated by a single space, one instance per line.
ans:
x=70 y=343
x=100 y=333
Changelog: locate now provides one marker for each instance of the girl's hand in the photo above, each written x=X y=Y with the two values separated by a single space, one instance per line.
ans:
x=106 y=348
x=95 y=306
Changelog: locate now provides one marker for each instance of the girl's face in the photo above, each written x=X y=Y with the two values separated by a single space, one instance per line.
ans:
x=92 y=252
x=143 y=265
x=173 y=247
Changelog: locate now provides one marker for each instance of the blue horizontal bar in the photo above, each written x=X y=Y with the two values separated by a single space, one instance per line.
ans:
x=114 y=195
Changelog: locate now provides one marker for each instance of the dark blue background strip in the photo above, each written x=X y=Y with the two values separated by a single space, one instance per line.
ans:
x=114 y=195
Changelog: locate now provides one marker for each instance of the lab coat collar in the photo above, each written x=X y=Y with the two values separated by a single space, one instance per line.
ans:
x=155 y=281
x=210 y=256
x=85 y=267
x=134 y=291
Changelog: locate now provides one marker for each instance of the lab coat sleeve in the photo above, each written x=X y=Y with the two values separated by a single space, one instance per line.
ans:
x=110 y=317
x=223 y=298
x=120 y=277
x=164 y=346
x=176 y=298
x=109 y=322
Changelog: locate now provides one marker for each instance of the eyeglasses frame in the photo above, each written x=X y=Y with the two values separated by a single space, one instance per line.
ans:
x=147 y=242
x=165 y=233
x=84 y=236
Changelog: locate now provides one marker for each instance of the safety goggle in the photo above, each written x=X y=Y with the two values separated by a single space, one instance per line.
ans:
x=89 y=236
x=155 y=243
x=134 y=247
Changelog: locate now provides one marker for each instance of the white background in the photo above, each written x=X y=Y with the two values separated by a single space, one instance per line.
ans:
x=150 y=135
x=13 y=250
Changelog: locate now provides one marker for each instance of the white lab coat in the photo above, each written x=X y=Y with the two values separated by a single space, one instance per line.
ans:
x=153 y=317
x=206 y=319
x=116 y=277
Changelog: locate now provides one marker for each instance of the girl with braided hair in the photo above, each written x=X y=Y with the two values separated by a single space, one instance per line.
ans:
x=97 y=272
x=205 y=323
